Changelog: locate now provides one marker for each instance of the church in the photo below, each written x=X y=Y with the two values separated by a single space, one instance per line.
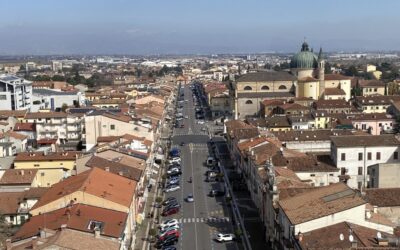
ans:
x=306 y=79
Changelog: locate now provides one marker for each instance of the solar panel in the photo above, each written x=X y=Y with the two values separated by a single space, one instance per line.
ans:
x=338 y=195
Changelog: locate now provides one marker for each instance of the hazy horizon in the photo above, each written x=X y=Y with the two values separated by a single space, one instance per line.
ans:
x=122 y=27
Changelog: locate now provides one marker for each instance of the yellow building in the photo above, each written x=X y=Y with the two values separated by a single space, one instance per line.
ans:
x=95 y=187
x=52 y=167
x=372 y=87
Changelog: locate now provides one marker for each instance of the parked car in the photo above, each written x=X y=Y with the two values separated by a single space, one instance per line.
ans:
x=169 y=200
x=168 y=241
x=165 y=235
x=225 y=237
x=172 y=188
x=168 y=223
x=170 y=211
x=215 y=193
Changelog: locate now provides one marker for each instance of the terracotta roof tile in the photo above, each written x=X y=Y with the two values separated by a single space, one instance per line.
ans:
x=383 y=197
x=365 y=140
x=18 y=176
x=97 y=182
x=25 y=127
x=41 y=156
x=13 y=113
x=9 y=202
x=331 y=77
x=115 y=167
x=107 y=138
x=334 y=91
x=328 y=237
x=77 y=217
x=320 y=202
x=43 y=115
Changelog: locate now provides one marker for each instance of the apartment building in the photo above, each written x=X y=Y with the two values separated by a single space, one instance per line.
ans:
x=56 y=125
x=15 y=93
x=354 y=154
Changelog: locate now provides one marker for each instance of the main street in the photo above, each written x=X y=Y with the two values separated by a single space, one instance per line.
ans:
x=206 y=216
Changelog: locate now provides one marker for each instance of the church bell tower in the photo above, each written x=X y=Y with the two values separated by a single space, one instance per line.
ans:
x=321 y=73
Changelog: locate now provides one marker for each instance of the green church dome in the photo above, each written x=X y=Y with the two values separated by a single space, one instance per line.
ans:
x=305 y=59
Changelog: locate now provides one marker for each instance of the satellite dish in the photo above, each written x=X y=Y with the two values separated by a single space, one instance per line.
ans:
x=341 y=237
x=378 y=235
x=351 y=238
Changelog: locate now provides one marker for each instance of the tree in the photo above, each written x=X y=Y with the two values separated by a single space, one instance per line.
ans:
x=351 y=71
x=59 y=78
x=64 y=107
x=392 y=88
x=328 y=69
x=6 y=231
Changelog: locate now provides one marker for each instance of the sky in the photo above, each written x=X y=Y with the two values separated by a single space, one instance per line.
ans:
x=43 y=27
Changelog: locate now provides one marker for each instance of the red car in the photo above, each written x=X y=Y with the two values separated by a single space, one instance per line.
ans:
x=170 y=211
x=168 y=233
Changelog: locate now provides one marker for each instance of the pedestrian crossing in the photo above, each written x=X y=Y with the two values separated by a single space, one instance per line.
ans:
x=180 y=133
x=205 y=220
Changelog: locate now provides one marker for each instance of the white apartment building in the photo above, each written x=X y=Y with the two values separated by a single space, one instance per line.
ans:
x=56 y=125
x=354 y=154
x=15 y=93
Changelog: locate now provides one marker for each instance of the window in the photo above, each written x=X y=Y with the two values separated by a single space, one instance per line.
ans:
x=112 y=127
x=265 y=87
x=396 y=155
x=95 y=225
x=42 y=174
x=375 y=89
x=360 y=156
x=36 y=165
x=343 y=156
x=360 y=170
x=3 y=97
x=369 y=156
x=312 y=175
x=282 y=87
x=248 y=88
x=249 y=102
x=378 y=155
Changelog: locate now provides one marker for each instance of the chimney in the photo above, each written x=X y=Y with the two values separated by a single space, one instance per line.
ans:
x=121 y=173
x=42 y=233
x=8 y=244
x=354 y=244
x=63 y=227
x=107 y=169
x=375 y=209
x=97 y=233
x=34 y=242
x=22 y=172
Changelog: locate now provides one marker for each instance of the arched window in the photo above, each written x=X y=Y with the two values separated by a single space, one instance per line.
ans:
x=247 y=88
x=249 y=102
x=265 y=87
x=282 y=87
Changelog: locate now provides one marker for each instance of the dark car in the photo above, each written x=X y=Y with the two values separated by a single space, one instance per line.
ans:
x=170 y=211
x=182 y=144
x=169 y=200
x=172 y=205
x=168 y=241
x=216 y=193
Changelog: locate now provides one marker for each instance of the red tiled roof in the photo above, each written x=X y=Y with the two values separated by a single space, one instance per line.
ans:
x=27 y=126
x=18 y=176
x=39 y=115
x=331 y=77
x=76 y=217
x=41 y=156
x=97 y=182
x=320 y=202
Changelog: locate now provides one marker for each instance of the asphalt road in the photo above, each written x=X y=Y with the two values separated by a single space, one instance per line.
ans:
x=206 y=216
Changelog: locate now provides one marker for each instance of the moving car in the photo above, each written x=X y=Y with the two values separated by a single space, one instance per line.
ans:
x=190 y=198
x=225 y=237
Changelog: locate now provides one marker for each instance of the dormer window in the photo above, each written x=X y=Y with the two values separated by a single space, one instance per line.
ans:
x=95 y=225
